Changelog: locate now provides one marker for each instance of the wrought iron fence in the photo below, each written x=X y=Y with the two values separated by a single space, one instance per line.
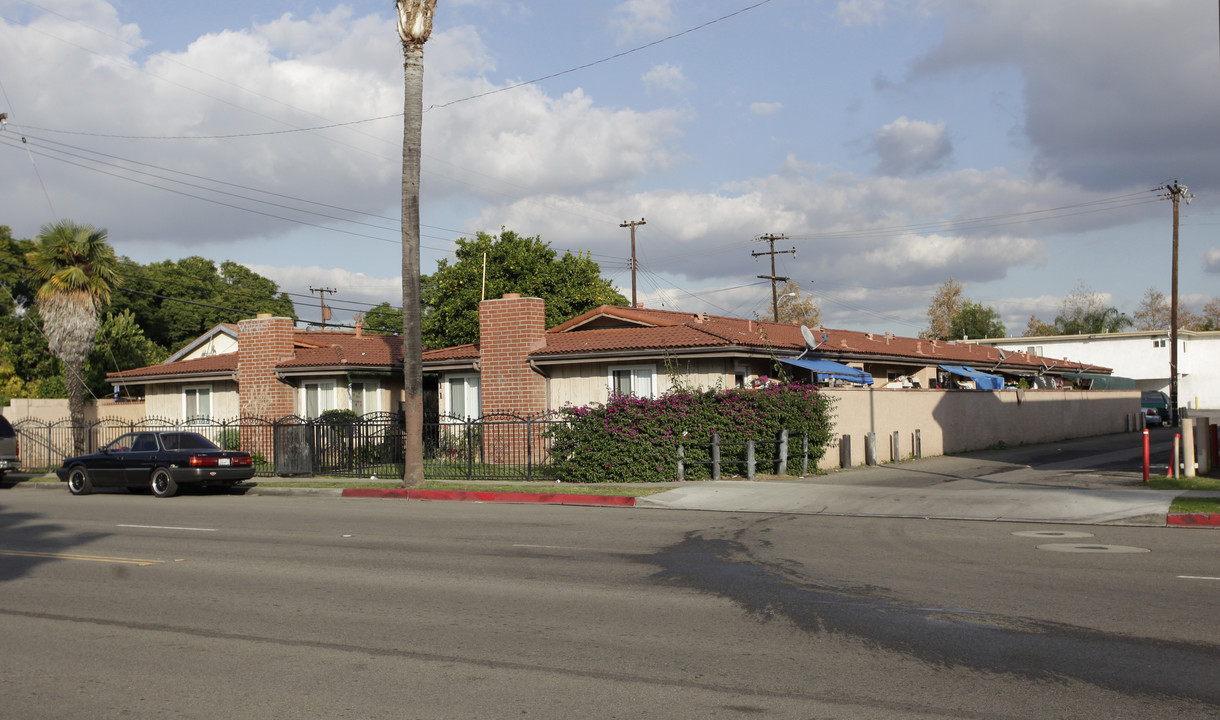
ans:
x=493 y=447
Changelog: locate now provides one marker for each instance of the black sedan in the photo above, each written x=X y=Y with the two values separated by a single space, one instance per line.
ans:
x=160 y=461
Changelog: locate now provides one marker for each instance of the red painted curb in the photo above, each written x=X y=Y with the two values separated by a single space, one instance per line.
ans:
x=1193 y=519
x=459 y=495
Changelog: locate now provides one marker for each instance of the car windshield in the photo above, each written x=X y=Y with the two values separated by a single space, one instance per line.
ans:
x=187 y=441
x=1153 y=396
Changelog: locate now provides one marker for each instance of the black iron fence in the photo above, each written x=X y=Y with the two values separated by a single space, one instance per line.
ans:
x=493 y=447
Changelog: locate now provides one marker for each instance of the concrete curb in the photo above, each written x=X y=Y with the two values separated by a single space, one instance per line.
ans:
x=1193 y=519
x=469 y=496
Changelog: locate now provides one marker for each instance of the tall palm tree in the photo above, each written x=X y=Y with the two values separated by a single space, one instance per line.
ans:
x=414 y=27
x=78 y=269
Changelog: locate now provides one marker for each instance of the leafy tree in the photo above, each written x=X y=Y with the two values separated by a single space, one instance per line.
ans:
x=795 y=309
x=1036 y=328
x=78 y=268
x=1085 y=312
x=1153 y=313
x=945 y=305
x=976 y=320
x=120 y=345
x=570 y=285
x=209 y=290
x=383 y=318
x=1211 y=315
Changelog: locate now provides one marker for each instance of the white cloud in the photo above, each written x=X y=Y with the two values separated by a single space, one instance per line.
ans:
x=911 y=147
x=665 y=77
x=763 y=109
x=642 y=19
x=1211 y=260
x=861 y=12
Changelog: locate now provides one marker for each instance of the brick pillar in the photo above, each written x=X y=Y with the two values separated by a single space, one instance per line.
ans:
x=261 y=343
x=509 y=329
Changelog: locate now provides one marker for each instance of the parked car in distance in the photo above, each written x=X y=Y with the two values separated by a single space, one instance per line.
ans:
x=10 y=447
x=1156 y=407
x=160 y=461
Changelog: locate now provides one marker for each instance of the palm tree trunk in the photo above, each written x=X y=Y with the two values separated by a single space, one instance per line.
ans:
x=413 y=76
x=74 y=372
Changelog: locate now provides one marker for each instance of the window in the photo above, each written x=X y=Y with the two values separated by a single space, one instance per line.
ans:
x=462 y=396
x=319 y=397
x=197 y=402
x=1160 y=343
x=364 y=397
x=1034 y=350
x=739 y=376
x=636 y=380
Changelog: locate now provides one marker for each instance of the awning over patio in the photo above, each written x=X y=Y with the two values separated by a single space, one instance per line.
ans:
x=825 y=369
x=982 y=380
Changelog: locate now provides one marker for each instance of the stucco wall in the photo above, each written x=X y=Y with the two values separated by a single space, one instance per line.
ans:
x=590 y=382
x=165 y=401
x=952 y=421
x=50 y=410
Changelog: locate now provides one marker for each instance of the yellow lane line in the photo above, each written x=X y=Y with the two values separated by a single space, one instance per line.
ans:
x=92 y=558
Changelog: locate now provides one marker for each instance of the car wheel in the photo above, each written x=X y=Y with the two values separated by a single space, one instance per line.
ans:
x=163 y=484
x=79 y=482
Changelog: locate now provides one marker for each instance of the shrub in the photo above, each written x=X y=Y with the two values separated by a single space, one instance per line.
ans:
x=634 y=439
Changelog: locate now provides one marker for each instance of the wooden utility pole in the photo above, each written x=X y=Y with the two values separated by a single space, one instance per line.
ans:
x=322 y=301
x=632 y=225
x=772 y=277
x=1176 y=193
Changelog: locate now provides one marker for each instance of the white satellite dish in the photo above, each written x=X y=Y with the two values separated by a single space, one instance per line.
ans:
x=810 y=342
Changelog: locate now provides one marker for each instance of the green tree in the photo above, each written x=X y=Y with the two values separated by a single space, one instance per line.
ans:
x=214 y=293
x=976 y=320
x=78 y=269
x=384 y=319
x=946 y=303
x=120 y=345
x=570 y=285
x=1084 y=312
x=1037 y=328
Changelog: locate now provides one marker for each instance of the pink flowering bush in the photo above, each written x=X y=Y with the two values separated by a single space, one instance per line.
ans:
x=635 y=439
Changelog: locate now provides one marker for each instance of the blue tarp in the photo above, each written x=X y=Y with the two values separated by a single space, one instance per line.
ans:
x=830 y=369
x=982 y=380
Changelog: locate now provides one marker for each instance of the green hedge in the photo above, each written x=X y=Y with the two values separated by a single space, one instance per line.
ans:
x=634 y=439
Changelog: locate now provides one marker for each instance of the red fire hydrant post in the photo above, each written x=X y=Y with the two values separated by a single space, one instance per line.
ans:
x=1147 y=457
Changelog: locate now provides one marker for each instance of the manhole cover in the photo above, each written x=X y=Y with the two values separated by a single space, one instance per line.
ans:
x=1053 y=534
x=1082 y=548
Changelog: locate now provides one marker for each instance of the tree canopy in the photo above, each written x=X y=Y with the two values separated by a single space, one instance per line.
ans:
x=946 y=303
x=570 y=284
x=1083 y=312
x=976 y=320
x=383 y=318
x=216 y=294
x=796 y=309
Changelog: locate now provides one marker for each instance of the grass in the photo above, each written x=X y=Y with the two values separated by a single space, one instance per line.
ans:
x=1183 y=483
x=1210 y=506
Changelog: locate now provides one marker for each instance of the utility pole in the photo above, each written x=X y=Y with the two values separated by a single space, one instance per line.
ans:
x=322 y=300
x=632 y=225
x=772 y=277
x=1176 y=193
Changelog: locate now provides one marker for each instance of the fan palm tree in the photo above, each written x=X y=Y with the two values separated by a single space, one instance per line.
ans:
x=78 y=268
x=414 y=27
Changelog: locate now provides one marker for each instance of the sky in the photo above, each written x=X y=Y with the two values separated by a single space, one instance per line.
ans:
x=1016 y=146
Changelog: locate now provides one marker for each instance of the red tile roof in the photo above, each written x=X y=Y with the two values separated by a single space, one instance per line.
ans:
x=214 y=364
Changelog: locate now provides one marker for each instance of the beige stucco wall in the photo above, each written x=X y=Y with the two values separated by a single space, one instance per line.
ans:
x=219 y=344
x=590 y=382
x=952 y=421
x=165 y=401
x=51 y=410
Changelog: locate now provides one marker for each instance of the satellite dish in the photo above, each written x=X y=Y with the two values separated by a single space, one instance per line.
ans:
x=810 y=342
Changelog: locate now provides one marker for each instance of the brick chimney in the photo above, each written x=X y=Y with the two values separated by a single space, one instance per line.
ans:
x=509 y=329
x=261 y=344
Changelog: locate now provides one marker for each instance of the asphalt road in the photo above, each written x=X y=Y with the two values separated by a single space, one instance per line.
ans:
x=119 y=606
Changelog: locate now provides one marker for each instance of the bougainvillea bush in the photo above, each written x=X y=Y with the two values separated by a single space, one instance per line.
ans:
x=635 y=439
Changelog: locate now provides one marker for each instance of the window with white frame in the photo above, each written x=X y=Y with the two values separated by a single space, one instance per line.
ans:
x=364 y=396
x=319 y=397
x=462 y=396
x=633 y=380
x=197 y=401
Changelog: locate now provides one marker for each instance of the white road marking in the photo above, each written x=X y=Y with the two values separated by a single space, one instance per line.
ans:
x=1197 y=577
x=168 y=527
